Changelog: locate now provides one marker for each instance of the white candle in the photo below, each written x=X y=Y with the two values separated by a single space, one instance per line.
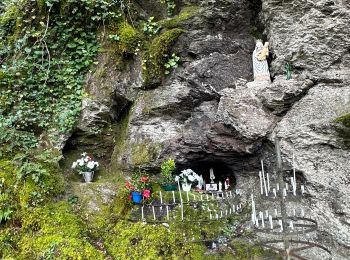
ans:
x=262 y=222
x=277 y=186
x=207 y=196
x=212 y=196
x=302 y=189
x=291 y=225
x=210 y=216
x=216 y=216
x=230 y=193
x=226 y=212
x=178 y=184
x=233 y=208
x=268 y=181
x=142 y=216
x=294 y=213
x=154 y=213
x=261 y=184
x=266 y=214
x=174 y=197
x=274 y=192
x=284 y=192
x=221 y=214
x=294 y=177
x=230 y=211
x=271 y=223
x=286 y=186
x=276 y=212
x=281 y=225
x=292 y=183
x=161 y=199
x=167 y=212
x=302 y=213
x=263 y=176
x=257 y=222
x=182 y=211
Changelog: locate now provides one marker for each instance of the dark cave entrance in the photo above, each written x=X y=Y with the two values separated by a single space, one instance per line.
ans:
x=221 y=171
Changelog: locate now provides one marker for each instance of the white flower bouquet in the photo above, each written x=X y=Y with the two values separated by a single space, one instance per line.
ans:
x=85 y=164
x=187 y=176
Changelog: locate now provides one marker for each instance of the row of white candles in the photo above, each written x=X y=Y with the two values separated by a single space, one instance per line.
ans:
x=265 y=183
x=269 y=217
x=227 y=194
x=230 y=211
x=254 y=214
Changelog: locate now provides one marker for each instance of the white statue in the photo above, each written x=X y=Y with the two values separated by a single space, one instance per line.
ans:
x=227 y=183
x=260 y=66
x=200 y=182
x=212 y=176
x=220 y=186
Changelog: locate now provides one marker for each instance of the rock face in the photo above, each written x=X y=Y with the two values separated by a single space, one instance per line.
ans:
x=206 y=112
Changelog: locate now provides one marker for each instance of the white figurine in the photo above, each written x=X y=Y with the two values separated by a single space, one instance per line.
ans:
x=220 y=186
x=212 y=176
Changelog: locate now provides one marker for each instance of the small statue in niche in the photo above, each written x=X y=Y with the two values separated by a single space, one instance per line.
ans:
x=220 y=186
x=200 y=182
x=260 y=66
x=211 y=176
x=227 y=183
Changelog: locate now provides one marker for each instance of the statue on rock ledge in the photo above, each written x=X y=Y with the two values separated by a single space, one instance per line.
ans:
x=260 y=66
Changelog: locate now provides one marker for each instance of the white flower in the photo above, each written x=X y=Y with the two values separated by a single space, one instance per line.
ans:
x=91 y=165
x=83 y=154
x=74 y=165
x=96 y=164
x=81 y=162
x=177 y=178
x=191 y=178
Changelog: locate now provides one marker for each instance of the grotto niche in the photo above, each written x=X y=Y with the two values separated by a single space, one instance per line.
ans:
x=221 y=170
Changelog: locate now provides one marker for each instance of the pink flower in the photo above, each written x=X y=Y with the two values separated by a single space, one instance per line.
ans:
x=129 y=196
x=144 y=179
x=146 y=193
x=129 y=186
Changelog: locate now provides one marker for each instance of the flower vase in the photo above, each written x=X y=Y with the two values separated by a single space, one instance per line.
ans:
x=186 y=186
x=169 y=187
x=136 y=197
x=88 y=176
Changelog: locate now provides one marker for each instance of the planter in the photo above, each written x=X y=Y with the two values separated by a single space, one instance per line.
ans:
x=136 y=197
x=169 y=187
x=186 y=186
x=88 y=176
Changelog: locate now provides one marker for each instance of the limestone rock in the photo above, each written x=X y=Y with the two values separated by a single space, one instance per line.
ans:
x=282 y=94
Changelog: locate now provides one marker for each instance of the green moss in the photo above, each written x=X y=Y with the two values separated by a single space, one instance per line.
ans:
x=55 y=230
x=176 y=21
x=155 y=57
x=135 y=241
x=144 y=153
x=344 y=119
x=130 y=38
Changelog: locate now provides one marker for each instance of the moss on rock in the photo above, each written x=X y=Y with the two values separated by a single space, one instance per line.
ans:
x=176 y=21
x=155 y=57
x=344 y=120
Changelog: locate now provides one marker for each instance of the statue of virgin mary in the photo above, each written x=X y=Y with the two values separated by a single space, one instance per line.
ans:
x=260 y=66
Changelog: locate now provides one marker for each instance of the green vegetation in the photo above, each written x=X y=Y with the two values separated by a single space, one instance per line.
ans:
x=155 y=56
x=172 y=63
x=151 y=27
x=168 y=167
x=176 y=21
x=344 y=120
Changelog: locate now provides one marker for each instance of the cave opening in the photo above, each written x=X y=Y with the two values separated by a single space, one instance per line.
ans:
x=221 y=171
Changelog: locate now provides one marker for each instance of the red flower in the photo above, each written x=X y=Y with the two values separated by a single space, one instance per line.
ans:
x=146 y=193
x=129 y=196
x=129 y=186
x=144 y=179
